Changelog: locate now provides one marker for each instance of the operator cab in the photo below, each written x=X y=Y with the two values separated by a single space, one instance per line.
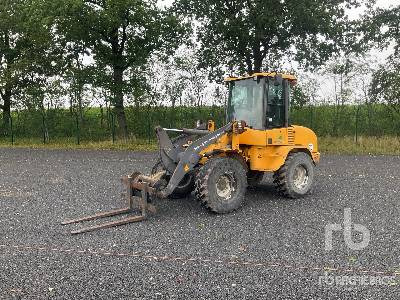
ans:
x=261 y=100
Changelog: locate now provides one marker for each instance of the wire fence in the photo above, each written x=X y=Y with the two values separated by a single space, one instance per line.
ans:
x=97 y=124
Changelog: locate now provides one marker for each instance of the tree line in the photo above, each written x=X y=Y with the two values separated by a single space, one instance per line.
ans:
x=355 y=121
x=138 y=52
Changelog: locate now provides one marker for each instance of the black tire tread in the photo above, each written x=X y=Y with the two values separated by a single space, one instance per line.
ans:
x=254 y=178
x=179 y=192
x=280 y=177
x=201 y=190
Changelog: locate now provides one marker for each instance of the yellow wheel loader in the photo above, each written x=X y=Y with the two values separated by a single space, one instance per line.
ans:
x=219 y=164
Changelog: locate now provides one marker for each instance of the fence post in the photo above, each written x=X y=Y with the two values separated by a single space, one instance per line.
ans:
x=113 y=127
x=44 y=129
x=11 y=130
x=78 y=130
x=149 y=119
x=357 y=115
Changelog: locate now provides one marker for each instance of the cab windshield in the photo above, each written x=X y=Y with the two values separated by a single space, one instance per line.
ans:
x=246 y=102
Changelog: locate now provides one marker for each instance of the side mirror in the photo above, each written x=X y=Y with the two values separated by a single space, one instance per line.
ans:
x=278 y=80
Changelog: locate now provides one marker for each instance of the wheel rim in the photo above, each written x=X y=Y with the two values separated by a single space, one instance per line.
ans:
x=300 y=177
x=225 y=186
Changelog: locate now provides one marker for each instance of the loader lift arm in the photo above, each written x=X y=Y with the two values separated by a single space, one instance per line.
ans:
x=190 y=158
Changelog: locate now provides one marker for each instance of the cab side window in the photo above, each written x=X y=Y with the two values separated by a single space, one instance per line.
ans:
x=275 y=104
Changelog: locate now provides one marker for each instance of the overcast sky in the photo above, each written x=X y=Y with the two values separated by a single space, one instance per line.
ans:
x=380 y=3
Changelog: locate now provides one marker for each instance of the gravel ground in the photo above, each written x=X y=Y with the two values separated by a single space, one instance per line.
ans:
x=273 y=248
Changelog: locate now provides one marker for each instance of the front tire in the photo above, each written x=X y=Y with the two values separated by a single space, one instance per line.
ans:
x=295 y=178
x=221 y=184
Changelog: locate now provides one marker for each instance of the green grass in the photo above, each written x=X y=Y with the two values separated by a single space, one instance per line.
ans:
x=133 y=145
x=386 y=145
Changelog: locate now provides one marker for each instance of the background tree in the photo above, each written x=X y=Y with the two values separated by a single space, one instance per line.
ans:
x=381 y=28
x=301 y=96
x=244 y=32
x=26 y=50
x=385 y=85
x=120 y=35
x=179 y=80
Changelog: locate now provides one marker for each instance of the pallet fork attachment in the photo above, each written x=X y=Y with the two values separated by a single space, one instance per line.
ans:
x=137 y=193
x=140 y=187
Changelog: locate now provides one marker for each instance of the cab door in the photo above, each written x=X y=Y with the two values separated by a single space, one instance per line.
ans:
x=277 y=108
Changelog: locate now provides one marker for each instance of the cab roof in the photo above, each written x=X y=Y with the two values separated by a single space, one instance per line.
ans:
x=290 y=77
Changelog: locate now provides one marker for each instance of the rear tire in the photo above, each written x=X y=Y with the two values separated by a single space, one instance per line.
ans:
x=221 y=184
x=295 y=178
x=254 y=178
x=184 y=188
